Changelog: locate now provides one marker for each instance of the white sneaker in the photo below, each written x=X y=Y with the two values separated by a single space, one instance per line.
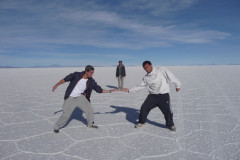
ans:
x=173 y=128
x=139 y=125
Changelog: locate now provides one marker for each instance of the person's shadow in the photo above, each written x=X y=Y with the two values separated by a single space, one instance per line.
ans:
x=77 y=114
x=112 y=87
x=132 y=115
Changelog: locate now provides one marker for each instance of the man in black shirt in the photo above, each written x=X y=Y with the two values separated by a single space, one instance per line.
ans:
x=120 y=74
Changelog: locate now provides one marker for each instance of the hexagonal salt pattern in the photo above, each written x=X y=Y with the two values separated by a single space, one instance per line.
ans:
x=104 y=148
x=45 y=143
x=7 y=149
x=206 y=114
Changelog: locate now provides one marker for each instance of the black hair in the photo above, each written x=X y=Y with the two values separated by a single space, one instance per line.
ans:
x=89 y=68
x=146 y=62
x=119 y=61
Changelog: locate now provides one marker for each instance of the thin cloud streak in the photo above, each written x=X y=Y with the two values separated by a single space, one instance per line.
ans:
x=158 y=7
x=58 y=24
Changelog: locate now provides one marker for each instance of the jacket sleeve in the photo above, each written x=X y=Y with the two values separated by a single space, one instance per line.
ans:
x=124 y=71
x=96 y=87
x=117 y=72
x=141 y=85
x=170 y=77
x=69 y=77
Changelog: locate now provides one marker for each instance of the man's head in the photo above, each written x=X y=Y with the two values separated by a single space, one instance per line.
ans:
x=89 y=70
x=147 y=65
x=120 y=63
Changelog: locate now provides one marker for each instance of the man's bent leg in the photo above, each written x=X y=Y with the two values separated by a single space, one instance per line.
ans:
x=86 y=107
x=68 y=107
x=146 y=107
x=165 y=107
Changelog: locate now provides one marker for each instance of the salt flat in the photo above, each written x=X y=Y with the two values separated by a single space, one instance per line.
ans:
x=206 y=114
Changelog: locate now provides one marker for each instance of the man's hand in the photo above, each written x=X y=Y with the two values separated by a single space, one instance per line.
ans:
x=59 y=83
x=177 y=89
x=125 y=90
x=54 y=87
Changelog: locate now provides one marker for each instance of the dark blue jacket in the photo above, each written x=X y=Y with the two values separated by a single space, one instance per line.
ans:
x=74 y=78
x=123 y=72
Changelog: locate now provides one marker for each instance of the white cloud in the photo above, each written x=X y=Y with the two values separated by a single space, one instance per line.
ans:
x=158 y=7
x=88 y=23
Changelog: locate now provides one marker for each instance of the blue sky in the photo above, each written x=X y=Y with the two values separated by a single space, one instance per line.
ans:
x=101 y=32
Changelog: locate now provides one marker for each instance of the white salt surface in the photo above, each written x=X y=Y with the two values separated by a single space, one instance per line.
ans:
x=206 y=114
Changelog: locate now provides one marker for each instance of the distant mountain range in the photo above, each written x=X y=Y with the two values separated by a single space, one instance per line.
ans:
x=8 y=67
x=50 y=66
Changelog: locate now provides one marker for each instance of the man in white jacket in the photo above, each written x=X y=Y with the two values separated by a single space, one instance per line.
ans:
x=157 y=79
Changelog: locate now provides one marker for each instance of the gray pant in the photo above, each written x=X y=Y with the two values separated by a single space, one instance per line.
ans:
x=120 y=82
x=69 y=106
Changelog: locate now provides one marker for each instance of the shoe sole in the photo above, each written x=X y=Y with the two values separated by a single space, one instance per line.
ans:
x=93 y=127
x=56 y=131
x=172 y=129
x=139 y=126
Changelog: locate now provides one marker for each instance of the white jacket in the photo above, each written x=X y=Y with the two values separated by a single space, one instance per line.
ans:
x=157 y=81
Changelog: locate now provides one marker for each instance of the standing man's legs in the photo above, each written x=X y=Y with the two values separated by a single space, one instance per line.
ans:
x=164 y=106
x=68 y=107
x=146 y=107
x=120 y=82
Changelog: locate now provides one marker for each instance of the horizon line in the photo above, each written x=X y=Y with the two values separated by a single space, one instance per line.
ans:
x=51 y=66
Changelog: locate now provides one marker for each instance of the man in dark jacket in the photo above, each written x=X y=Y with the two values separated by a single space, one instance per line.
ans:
x=120 y=74
x=78 y=95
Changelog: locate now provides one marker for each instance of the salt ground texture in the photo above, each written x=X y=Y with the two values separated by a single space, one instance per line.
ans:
x=206 y=114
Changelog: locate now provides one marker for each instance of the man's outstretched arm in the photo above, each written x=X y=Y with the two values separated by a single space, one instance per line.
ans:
x=140 y=86
x=125 y=90
x=109 y=91
x=59 y=83
x=98 y=89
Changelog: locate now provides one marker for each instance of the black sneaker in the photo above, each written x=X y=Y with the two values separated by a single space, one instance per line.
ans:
x=93 y=126
x=56 y=130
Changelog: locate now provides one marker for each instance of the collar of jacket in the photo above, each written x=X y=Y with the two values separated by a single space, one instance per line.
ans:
x=81 y=75
x=151 y=73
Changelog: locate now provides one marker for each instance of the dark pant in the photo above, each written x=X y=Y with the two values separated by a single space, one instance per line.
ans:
x=157 y=100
